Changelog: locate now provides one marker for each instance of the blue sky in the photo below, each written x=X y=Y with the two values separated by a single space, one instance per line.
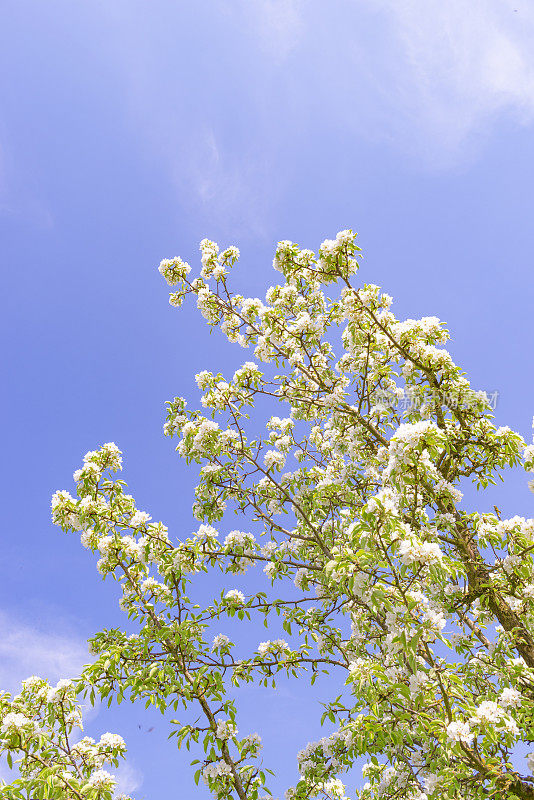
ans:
x=129 y=131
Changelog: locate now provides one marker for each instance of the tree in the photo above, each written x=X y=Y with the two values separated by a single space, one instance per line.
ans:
x=422 y=610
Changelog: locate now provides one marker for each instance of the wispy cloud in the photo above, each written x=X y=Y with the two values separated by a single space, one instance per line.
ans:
x=25 y=651
x=218 y=170
x=429 y=79
x=220 y=182
x=450 y=70
x=129 y=778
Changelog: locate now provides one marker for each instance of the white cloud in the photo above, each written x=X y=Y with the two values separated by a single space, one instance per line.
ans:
x=129 y=778
x=449 y=70
x=219 y=176
x=429 y=77
x=225 y=184
x=26 y=651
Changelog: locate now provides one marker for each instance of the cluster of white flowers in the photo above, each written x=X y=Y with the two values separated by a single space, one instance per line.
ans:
x=90 y=470
x=276 y=646
x=62 y=510
x=41 y=720
x=329 y=747
x=488 y=711
x=235 y=597
x=220 y=640
x=253 y=740
x=174 y=270
x=435 y=618
x=431 y=782
x=301 y=578
x=239 y=539
x=61 y=690
x=206 y=533
x=159 y=590
x=216 y=769
x=112 y=741
x=226 y=729
x=335 y=788
x=417 y=681
x=139 y=518
x=247 y=371
x=214 y=264
x=412 y=550
x=458 y=731
x=273 y=459
x=510 y=697
x=331 y=250
x=409 y=436
x=15 y=722
x=102 y=780
x=107 y=457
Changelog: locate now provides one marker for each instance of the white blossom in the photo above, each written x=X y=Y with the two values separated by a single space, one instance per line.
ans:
x=458 y=731
x=139 y=518
x=235 y=596
x=220 y=640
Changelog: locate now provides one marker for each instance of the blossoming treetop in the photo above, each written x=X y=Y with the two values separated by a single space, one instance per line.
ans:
x=421 y=611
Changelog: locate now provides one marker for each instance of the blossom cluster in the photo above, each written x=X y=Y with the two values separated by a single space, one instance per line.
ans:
x=39 y=725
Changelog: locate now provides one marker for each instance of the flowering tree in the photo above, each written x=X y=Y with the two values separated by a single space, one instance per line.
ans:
x=422 y=612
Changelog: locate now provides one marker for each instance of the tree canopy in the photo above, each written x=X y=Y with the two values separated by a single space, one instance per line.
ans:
x=350 y=503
